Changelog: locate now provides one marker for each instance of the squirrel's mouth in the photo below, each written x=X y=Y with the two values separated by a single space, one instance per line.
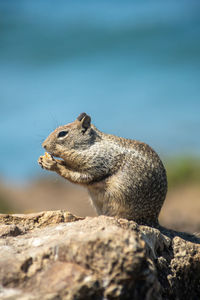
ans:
x=54 y=156
x=49 y=153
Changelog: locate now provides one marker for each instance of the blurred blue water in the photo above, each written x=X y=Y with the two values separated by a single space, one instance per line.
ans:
x=133 y=66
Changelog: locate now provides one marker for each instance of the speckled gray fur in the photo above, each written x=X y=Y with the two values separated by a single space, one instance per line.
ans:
x=125 y=178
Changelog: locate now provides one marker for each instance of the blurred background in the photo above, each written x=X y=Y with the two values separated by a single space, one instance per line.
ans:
x=134 y=66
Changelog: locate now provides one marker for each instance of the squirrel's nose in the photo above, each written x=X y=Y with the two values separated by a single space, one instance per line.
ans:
x=44 y=145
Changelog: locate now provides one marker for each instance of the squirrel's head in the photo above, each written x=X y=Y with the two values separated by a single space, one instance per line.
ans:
x=78 y=135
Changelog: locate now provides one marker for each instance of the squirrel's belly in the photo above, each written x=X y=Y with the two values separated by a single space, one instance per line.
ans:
x=96 y=199
x=98 y=195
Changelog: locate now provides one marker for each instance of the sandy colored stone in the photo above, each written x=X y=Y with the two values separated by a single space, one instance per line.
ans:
x=55 y=255
x=41 y=219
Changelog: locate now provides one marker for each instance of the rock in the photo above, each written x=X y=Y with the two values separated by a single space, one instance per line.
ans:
x=55 y=255
x=41 y=219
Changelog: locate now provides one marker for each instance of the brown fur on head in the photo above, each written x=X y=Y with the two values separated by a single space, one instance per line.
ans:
x=76 y=135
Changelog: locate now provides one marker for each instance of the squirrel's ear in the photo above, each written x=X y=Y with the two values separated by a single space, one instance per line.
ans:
x=81 y=116
x=85 y=121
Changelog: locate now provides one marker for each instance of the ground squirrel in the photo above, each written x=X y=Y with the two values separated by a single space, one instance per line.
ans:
x=125 y=178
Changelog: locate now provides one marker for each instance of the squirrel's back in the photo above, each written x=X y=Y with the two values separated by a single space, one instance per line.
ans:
x=138 y=183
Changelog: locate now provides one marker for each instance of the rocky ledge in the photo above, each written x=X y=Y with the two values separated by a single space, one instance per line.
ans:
x=55 y=255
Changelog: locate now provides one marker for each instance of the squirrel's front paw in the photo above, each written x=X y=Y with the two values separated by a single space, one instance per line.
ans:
x=47 y=162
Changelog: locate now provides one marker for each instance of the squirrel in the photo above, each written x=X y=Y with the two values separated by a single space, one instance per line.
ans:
x=125 y=178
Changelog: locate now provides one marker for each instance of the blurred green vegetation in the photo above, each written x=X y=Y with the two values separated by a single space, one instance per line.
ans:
x=182 y=170
x=4 y=206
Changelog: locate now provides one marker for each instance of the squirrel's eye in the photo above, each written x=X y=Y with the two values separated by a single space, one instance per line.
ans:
x=62 y=134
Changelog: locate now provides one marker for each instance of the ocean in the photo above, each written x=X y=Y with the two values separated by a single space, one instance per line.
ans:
x=134 y=66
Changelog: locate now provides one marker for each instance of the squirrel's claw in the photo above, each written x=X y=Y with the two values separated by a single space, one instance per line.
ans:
x=40 y=162
x=47 y=162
